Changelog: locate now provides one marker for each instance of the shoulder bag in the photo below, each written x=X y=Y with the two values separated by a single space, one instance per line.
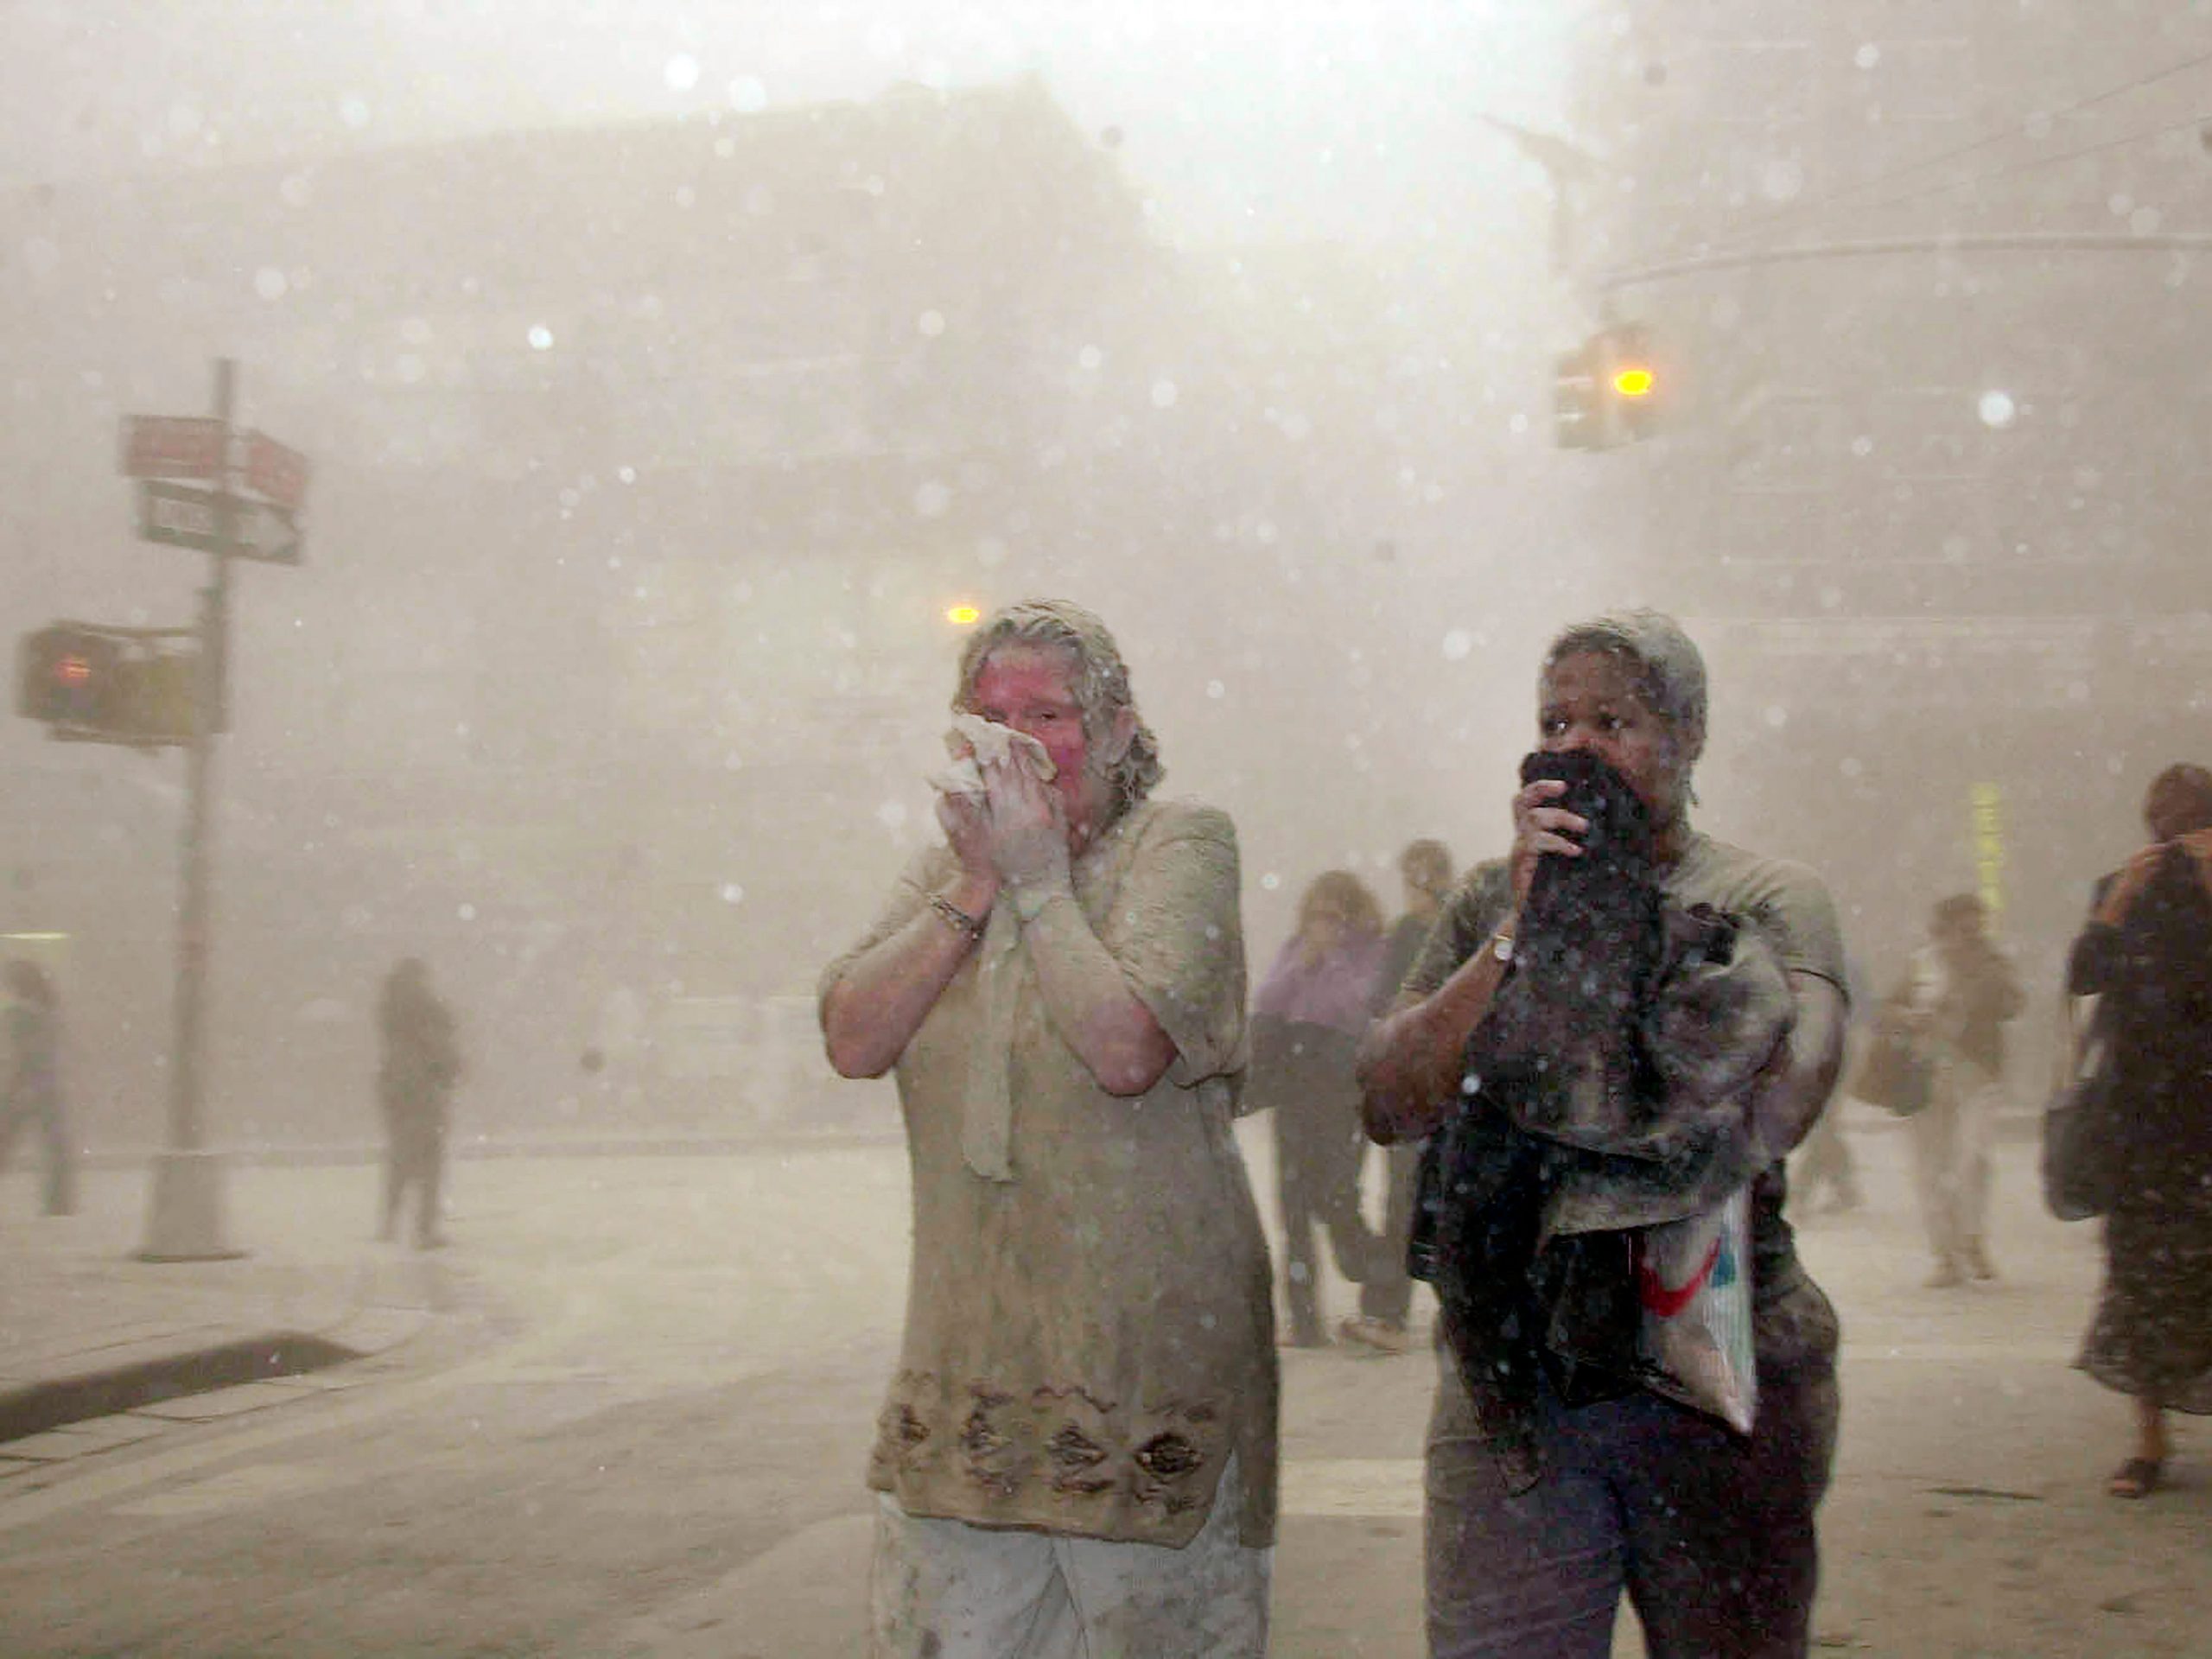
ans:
x=1895 y=1072
x=2080 y=1155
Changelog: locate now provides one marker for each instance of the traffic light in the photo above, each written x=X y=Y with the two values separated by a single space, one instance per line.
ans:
x=1577 y=412
x=1632 y=383
x=115 y=685
x=1609 y=390
x=160 y=691
x=67 y=675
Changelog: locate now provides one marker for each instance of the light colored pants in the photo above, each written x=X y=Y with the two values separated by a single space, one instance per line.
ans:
x=1951 y=1139
x=945 y=1590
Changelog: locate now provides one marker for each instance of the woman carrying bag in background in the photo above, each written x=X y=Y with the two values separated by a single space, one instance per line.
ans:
x=2146 y=950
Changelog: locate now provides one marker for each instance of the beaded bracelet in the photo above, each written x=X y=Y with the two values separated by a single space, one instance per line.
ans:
x=955 y=917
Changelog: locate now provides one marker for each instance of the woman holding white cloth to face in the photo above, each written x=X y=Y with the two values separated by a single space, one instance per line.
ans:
x=1078 y=1454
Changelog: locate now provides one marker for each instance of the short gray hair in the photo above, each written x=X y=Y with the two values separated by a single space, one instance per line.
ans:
x=1100 y=682
x=1670 y=672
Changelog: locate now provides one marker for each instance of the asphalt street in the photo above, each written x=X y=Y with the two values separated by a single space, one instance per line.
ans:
x=637 y=1427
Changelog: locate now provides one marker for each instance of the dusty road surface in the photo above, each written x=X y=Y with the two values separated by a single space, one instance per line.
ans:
x=638 y=1426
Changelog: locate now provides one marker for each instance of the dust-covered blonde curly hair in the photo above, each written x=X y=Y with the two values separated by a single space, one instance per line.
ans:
x=1100 y=680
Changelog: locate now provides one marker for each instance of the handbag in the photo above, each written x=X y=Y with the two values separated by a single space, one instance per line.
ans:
x=2080 y=1154
x=1894 y=1072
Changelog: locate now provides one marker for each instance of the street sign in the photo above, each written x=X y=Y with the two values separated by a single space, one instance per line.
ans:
x=179 y=515
x=276 y=471
x=268 y=533
x=171 y=445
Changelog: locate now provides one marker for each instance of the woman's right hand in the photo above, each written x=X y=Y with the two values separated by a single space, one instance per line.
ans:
x=2133 y=877
x=2135 y=874
x=1540 y=826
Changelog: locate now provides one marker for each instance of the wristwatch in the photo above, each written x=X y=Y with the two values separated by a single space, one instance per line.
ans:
x=1501 y=945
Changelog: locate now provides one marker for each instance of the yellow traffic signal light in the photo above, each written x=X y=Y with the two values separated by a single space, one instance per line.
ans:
x=1608 y=391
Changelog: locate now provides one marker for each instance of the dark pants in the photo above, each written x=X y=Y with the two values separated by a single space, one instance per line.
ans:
x=415 y=1156
x=45 y=1111
x=1318 y=1148
x=1388 y=1292
x=1710 y=1532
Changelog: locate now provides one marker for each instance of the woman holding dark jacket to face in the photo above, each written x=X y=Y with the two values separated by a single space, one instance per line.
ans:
x=2146 y=952
x=1541 y=1516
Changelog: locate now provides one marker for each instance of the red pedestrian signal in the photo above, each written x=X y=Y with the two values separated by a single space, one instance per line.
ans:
x=138 y=686
x=68 y=676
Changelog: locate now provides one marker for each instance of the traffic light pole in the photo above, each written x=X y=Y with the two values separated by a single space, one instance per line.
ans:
x=184 y=1219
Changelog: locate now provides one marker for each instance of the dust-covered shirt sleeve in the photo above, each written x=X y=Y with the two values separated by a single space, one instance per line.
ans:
x=1174 y=930
x=1790 y=906
x=1472 y=913
x=924 y=873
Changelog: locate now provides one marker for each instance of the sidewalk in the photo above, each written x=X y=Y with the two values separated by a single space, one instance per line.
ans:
x=98 y=1350
x=1968 y=1514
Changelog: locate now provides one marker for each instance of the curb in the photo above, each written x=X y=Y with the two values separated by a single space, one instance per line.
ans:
x=108 y=1389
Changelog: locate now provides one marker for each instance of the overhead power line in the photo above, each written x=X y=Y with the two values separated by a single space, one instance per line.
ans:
x=1841 y=194
x=2027 y=166
x=1946 y=245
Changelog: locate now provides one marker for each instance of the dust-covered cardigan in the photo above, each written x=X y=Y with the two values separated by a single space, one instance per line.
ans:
x=1087 y=1345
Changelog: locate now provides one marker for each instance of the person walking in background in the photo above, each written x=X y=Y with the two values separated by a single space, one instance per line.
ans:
x=1960 y=991
x=1078 y=1454
x=32 y=1096
x=421 y=1062
x=1386 y=1298
x=2146 y=952
x=1315 y=1000
x=1825 y=1162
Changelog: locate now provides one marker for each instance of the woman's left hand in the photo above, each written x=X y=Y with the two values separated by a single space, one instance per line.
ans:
x=1029 y=832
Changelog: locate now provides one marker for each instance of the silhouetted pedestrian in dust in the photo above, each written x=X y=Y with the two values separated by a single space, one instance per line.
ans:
x=33 y=1094
x=1960 y=993
x=421 y=1062
x=1386 y=1299
x=1306 y=1019
x=1824 y=1161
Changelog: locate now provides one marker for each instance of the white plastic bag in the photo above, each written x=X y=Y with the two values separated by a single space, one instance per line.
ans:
x=1693 y=1286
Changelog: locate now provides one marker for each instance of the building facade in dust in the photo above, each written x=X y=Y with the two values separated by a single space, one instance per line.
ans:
x=1927 y=284
x=649 y=461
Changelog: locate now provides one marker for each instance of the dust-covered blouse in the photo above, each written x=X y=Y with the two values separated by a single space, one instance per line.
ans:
x=1088 y=1343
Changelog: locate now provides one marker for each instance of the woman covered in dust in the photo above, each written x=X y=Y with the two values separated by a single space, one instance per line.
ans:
x=1077 y=1454
x=1559 y=1477
x=2146 y=953
x=1306 y=1019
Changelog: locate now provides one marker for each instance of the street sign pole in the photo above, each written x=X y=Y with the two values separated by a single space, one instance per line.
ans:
x=184 y=1219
